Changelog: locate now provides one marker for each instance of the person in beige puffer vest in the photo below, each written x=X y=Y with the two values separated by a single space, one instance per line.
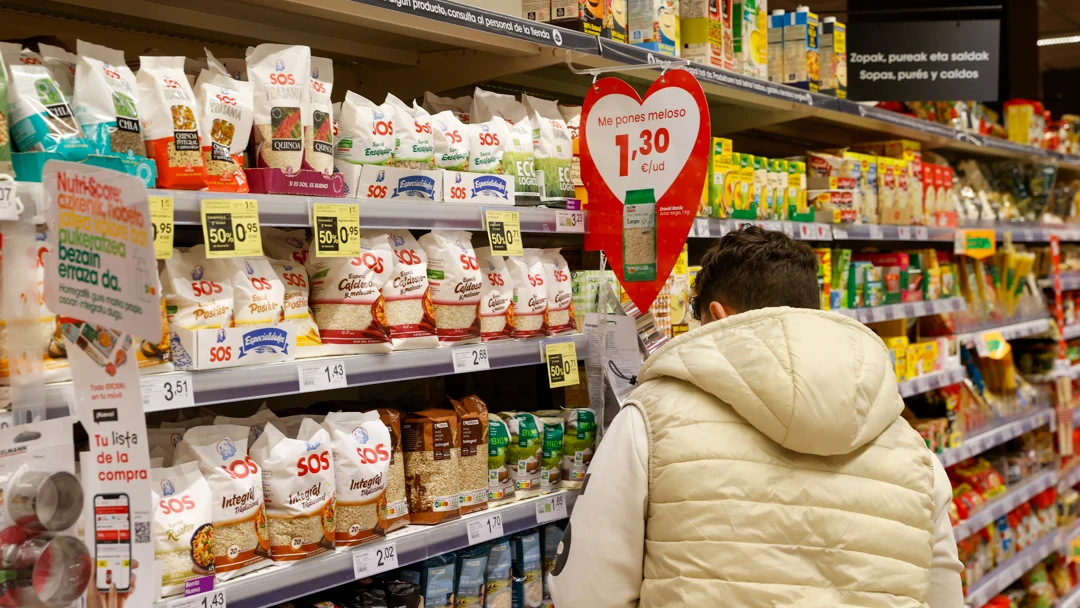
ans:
x=762 y=462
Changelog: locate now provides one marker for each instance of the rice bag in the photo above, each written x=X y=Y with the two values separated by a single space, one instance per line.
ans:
x=528 y=569
x=282 y=244
x=460 y=106
x=496 y=296
x=366 y=132
x=198 y=292
x=409 y=311
x=256 y=422
x=415 y=148
x=553 y=148
x=524 y=453
x=454 y=277
x=488 y=143
x=318 y=130
x=295 y=305
x=501 y=485
x=183 y=525
x=361 y=446
x=530 y=294
x=560 y=293
x=579 y=443
x=451 y=142
x=518 y=159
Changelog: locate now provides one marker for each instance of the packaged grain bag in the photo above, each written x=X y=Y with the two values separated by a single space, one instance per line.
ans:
x=551 y=536
x=360 y=443
x=198 y=291
x=226 y=111
x=496 y=296
x=233 y=67
x=409 y=311
x=524 y=453
x=572 y=116
x=290 y=425
x=401 y=594
x=318 y=130
x=498 y=578
x=551 y=453
x=258 y=292
x=281 y=77
x=579 y=443
x=471 y=571
x=299 y=485
x=454 y=279
x=451 y=142
x=473 y=415
x=366 y=132
x=431 y=441
x=295 y=306
x=241 y=538
x=518 y=158
x=488 y=143
x=106 y=102
x=170 y=123
x=560 y=293
x=183 y=525
x=530 y=294
x=63 y=66
x=460 y=106
x=553 y=148
x=346 y=297
x=162 y=443
x=415 y=148
x=528 y=569
x=501 y=484
x=40 y=117
x=437 y=581
x=279 y=244
x=394 y=513
x=256 y=422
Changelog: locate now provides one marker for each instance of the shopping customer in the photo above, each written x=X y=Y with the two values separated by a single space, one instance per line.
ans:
x=762 y=462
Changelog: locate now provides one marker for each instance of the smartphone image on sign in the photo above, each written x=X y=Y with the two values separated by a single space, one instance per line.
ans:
x=112 y=545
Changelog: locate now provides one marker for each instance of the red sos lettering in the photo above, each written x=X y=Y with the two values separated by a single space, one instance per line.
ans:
x=495 y=278
x=239 y=469
x=370 y=260
x=225 y=99
x=489 y=139
x=561 y=276
x=220 y=353
x=468 y=262
x=170 y=83
x=317 y=86
x=313 y=463
x=261 y=284
x=374 y=191
x=409 y=257
x=282 y=79
x=294 y=279
x=536 y=280
x=176 y=505
x=112 y=74
x=457 y=193
x=382 y=127
x=205 y=288
x=453 y=136
x=423 y=128
x=373 y=455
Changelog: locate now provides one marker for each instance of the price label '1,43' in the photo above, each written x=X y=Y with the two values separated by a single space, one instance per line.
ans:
x=167 y=392
x=337 y=230
x=210 y=599
x=161 y=217
x=562 y=364
x=322 y=376
x=231 y=228
x=504 y=232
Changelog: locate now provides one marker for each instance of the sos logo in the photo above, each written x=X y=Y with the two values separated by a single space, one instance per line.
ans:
x=261 y=284
x=468 y=262
x=561 y=276
x=489 y=139
x=294 y=279
x=220 y=353
x=495 y=278
x=536 y=280
x=285 y=79
x=423 y=128
x=313 y=463
x=176 y=505
x=409 y=257
x=239 y=469
x=370 y=260
x=382 y=127
x=205 y=288
x=373 y=455
x=225 y=99
x=453 y=137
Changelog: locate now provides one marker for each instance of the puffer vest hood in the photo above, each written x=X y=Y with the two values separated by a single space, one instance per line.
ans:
x=781 y=473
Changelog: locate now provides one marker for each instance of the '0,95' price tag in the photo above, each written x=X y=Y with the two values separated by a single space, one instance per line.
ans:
x=231 y=228
x=337 y=230
x=161 y=218
x=484 y=529
x=210 y=599
x=504 y=232
x=167 y=392
x=322 y=376
x=562 y=364
x=369 y=561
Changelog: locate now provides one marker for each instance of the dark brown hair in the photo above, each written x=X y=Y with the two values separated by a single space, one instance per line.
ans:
x=753 y=268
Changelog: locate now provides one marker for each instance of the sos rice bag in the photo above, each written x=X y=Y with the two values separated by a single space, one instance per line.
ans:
x=256 y=422
x=518 y=157
x=530 y=294
x=258 y=292
x=319 y=129
x=431 y=440
x=488 y=142
x=198 y=291
x=62 y=64
x=183 y=525
x=473 y=465
x=524 y=452
x=347 y=300
x=394 y=513
x=298 y=482
x=281 y=77
x=415 y=148
x=106 y=102
x=454 y=277
x=241 y=537
x=282 y=244
x=360 y=443
x=40 y=116
x=579 y=442
x=560 y=293
x=496 y=296
x=553 y=148
x=366 y=132
x=409 y=312
x=170 y=123
x=295 y=306
x=501 y=485
x=226 y=111
x=451 y=142
x=460 y=106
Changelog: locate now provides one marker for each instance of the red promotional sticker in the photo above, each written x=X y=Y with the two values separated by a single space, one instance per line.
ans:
x=644 y=164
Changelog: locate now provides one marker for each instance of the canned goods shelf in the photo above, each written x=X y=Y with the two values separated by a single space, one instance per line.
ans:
x=981 y=441
x=929 y=382
x=1014 y=497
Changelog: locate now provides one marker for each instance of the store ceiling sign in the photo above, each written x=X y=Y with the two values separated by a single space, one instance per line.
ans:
x=644 y=164
x=924 y=61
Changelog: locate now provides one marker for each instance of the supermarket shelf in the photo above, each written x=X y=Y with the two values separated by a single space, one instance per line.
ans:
x=931 y=381
x=279 y=583
x=1071 y=477
x=1069 y=281
x=999 y=434
x=869 y=232
x=276 y=379
x=905 y=310
x=707 y=227
x=1071 y=599
x=808 y=231
x=1003 y=504
x=1011 y=331
x=1004 y=575
x=1072 y=331
x=1073 y=372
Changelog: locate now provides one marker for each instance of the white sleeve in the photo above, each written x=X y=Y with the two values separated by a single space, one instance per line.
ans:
x=603 y=567
x=945 y=566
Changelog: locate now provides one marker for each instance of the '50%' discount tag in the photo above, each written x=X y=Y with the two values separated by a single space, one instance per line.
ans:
x=231 y=228
x=504 y=232
x=562 y=363
x=337 y=230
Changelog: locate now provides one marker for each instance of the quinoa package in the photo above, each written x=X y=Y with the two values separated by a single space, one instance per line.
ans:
x=241 y=539
x=551 y=453
x=360 y=443
x=170 y=123
x=415 y=148
x=473 y=414
x=552 y=147
x=530 y=294
x=299 y=483
x=488 y=142
x=560 y=293
x=500 y=483
x=198 y=291
x=40 y=116
x=346 y=297
x=295 y=306
x=319 y=129
x=183 y=525
x=106 y=102
x=256 y=422
x=409 y=311
x=226 y=111
x=454 y=277
x=258 y=292
x=451 y=142
x=63 y=65
x=366 y=132
x=432 y=444
x=497 y=592
x=281 y=76
x=518 y=157
x=460 y=106
x=496 y=296
x=279 y=244
x=527 y=570
x=394 y=513
x=524 y=453
x=471 y=570
x=579 y=443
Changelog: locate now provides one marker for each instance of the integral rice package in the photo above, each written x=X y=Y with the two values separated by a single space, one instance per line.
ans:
x=432 y=444
x=394 y=513
x=170 y=123
x=241 y=537
x=551 y=450
x=258 y=292
x=162 y=443
x=198 y=291
x=256 y=422
x=530 y=294
x=281 y=76
x=579 y=442
x=226 y=113
x=524 y=452
x=183 y=525
x=497 y=592
x=560 y=293
x=319 y=129
x=496 y=296
x=518 y=157
x=40 y=117
x=488 y=142
x=451 y=142
x=471 y=571
x=106 y=102
x=437 y=580
x=360 y=443
x=460 y=106
x=415 y=148
x=500 y=484
x=294 y=278
x=299 y=483
x=473 y=414
x=553 y=148
x=551 y=536
x=454 y=277
x=528 y=569
x=347 y=300
x=409 y=311
x=279 y=244
x=365 y=132
x=63 y=65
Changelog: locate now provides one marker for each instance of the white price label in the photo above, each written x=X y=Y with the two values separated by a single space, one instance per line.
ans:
x=921 y=385
x=903 y=233
x=167 y=392
x=483 y=529
x=876 y=233
x=551 y=508
x=806 y=231
x=839 y=234
x=322 y=376
x=789 y=230
x=1029 y=236
x=9 y=207
x=921 y=233
x=877 y=314
x=701 y=227
x=824 y=232
x=470 y=359
x=210 y=599
x=569 y=221
x=922 y=309
x=369 y=561
x=774 y=226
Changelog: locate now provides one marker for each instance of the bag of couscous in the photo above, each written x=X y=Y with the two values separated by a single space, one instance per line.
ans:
x=296 y=309
x=473 y=414
x=170 y=123
x=500 y=483
x=496 y=296
x=258 y=292
x=524 y=453
x=360 y=443
x=409 y=312
x=318 y=130
x=106 y=102
x=394 y=513
x=415 y=148
x=226 y=112
x=281 y=77
x=454 y=278
x=183 y=526
x=198 y=291
x=530 y=294
x=560 y=293
x=498 y=578
x=431 y=440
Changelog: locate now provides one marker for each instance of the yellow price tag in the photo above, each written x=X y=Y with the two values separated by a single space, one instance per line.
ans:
x=562 y=364
x=337 y=230
x=161 y=217
x=504 y=232
x=955 y=439
x=231 y=228
x=996 y=346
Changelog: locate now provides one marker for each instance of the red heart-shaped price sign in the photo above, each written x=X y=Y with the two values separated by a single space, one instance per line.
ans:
x=644 y=165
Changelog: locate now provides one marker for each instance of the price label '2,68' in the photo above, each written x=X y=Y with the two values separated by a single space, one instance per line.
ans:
x=231 y=228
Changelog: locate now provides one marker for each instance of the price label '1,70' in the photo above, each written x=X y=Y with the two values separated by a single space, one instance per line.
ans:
x=337 y=230
x=231 y=228
x=484 y=529
x=562 y=364
x=504 y=232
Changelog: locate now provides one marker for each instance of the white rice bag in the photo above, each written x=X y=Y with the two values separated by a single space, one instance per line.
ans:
x=361 y=446
x=560 y=293
x=461 y=106
x=255 y=422
x=366 y=132
x=319 y=129
x=518 y=159
x=451 y=142
x=553 y=148
x=183 y=525
x=496 y=297
x=454 y=277
x=407 y=294
x=198 y=291
x=258 y=292
x=281 y=77
x=488 y=142
x=279 y=244
x=530 y=294
x=294 y=278
x=415 y=148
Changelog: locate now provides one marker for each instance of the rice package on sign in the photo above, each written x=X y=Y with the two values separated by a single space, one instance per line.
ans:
x=454 y=278
x=226 y=113
x=431 y=441
x=366 y=132
x=496 y=296
x=394 y=513
x=360 y=443
x=40 y=115
x=170 y=123
x=473 y=414
x=451 y=142
x=415 y=148
x=560 y=293
x=524 y=453
x=318 y=131
x=553 y=148
x=518 y=159
x=281 y=77
x=197 y=291
x=530 y=294
x=106 y=102
x=294 y=278
x=409 y=309
x=501 y=485
x=258 y=292
x=183 y=525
